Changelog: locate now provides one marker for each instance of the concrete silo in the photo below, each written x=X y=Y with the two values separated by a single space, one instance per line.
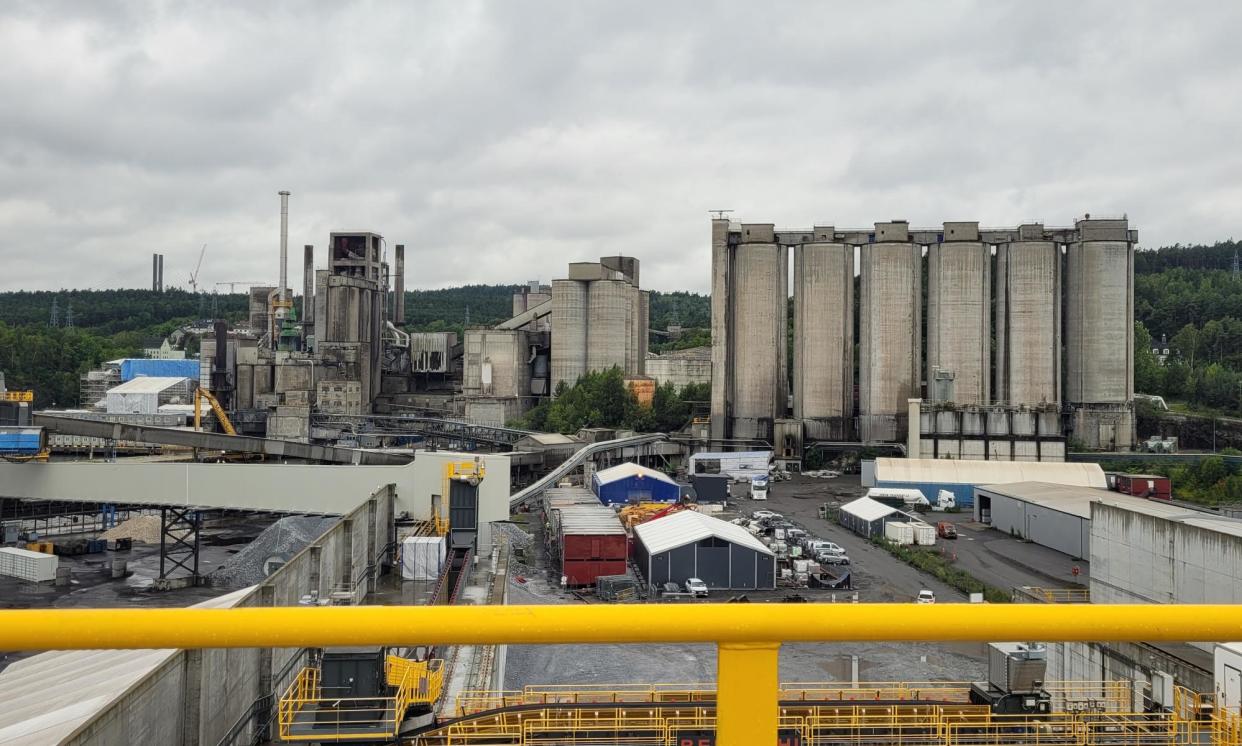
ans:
x=749 y=330
x=1099 y=333
x=569 y=331
x=959 y=317
x=823 y=372
x=608 y=324
x=890 y=303
x=1028 y=320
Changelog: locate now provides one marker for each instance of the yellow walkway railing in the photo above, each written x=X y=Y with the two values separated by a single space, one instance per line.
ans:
x=305 y=713
x=748 y=636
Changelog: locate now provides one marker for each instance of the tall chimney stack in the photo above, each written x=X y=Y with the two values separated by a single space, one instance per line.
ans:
x=155 y=273
x=399 y=284
x=308 y=284
x=160 y=283
x=284 y=255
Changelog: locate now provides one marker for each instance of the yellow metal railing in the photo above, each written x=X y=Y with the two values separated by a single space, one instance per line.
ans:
x=307 y=713
x=1058 y=595
x=748 y=636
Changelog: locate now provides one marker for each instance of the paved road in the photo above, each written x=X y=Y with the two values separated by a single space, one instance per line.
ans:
x=1000 y=560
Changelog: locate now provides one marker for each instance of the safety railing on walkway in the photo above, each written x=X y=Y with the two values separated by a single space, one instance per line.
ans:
x=1056 y=595
x=306 y=712
x=748 y=636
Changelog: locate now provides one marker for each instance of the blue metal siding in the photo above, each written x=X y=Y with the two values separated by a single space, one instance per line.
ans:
x=21 y=440
x=134 y=367
x=635 y=489
x=964 y=494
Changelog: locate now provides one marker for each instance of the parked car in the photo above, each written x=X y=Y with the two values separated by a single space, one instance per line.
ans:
x=831 y=558
x=819 y=546
x=760 y=515
x=696 y=587
x=925 y=597
x=946 y=530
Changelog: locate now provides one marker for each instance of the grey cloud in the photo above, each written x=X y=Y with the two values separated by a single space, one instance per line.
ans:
x=501 y=140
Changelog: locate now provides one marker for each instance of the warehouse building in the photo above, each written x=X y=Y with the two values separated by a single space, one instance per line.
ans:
x=632 y=483
x=1058 y=516
x=866 y=517
x=929 y=476
x=145 y=395
x=688 y=545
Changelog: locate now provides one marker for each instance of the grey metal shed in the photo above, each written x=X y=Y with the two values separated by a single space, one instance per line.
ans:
x=692 y=545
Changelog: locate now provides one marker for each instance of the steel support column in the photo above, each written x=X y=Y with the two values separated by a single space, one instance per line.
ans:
x=179 y=541
x=746 y=702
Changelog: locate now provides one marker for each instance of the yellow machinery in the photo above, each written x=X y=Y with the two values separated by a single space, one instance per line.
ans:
x=460 y=471
x=26 y=396
x=221 y=416
x=306 y=713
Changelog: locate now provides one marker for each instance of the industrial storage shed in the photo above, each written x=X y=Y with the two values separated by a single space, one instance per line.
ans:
x=692 y=545
x=1054 y=515
x=961 y=477
x=866 y=517
x=146 y=395
x=632 y=483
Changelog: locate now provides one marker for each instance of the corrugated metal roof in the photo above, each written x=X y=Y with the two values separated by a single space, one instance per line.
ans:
x=551 y=439
x=590 y=520
x=1077 y=501
x=145 y=385
x=924 y=470
x=50 y=695
x=687 y=527
x=626 y=470
x=867 y=509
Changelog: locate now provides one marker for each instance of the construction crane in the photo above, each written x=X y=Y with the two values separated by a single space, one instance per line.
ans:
x=197 y=267
x=221 y=416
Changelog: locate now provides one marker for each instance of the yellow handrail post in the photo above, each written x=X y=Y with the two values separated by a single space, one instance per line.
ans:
x=746 y=700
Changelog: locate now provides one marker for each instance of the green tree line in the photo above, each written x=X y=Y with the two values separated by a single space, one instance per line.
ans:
x=601 y=399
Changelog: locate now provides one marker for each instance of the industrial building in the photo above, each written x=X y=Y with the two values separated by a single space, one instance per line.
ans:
x=1018 y=398
x=147 y=395
x=688 y=545
x=866 y=517
x=599 y=320
x=961 y=477
x=681 y=367
x=633 y=483
x=1151 y=552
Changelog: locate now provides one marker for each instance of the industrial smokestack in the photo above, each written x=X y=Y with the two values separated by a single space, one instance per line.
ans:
x=308 y=284
x=284 y=255
x=399 y=284
x=159 y=285
x=155 y=273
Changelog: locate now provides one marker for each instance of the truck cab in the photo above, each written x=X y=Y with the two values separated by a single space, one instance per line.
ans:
x=759 y=487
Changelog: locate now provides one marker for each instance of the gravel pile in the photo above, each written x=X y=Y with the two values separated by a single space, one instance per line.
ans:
x=144 y=528
x=518 y=539
x=279 y=542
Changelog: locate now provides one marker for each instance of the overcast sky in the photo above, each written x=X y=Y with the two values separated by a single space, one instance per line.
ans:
x=499 y=141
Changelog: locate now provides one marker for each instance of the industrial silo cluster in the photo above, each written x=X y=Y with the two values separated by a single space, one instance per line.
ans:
x=599 y=320
x=1002 y=342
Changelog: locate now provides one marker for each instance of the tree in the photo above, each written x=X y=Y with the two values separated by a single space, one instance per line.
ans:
x=1147 y=375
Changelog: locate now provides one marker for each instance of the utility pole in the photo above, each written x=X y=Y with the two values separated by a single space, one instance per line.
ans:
x=69 y=314
x=55 y=320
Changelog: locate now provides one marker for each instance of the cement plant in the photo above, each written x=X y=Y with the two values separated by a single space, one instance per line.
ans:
x=290 y=535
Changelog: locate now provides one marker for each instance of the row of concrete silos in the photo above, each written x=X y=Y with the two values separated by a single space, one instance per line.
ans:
x=599 y=320
x=993 y=330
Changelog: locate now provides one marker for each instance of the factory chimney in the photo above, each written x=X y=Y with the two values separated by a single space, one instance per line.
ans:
x=159 y=285
x=399 y=285
x=155 y=273
x=281 y=311
x=308 y=283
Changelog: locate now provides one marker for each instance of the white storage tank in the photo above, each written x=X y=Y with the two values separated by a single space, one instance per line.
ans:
x=899 y=533
x=24 y=564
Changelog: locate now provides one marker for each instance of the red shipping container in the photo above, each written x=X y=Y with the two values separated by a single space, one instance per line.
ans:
x=593 y=542
x=1144 y=485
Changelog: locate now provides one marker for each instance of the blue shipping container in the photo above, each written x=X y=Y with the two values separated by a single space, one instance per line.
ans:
x=134 y=367
x=21 y=440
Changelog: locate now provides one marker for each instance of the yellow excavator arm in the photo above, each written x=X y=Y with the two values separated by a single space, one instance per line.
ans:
x=221 y=416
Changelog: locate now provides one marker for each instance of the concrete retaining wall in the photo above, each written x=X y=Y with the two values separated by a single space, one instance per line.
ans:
x=197 y=696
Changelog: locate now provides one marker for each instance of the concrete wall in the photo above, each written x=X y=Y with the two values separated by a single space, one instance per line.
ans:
x=679 y=371
x=276 y=487
x=197 y=696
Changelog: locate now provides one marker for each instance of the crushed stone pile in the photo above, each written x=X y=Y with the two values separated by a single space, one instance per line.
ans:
x=279 y=541
x=143 y=528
